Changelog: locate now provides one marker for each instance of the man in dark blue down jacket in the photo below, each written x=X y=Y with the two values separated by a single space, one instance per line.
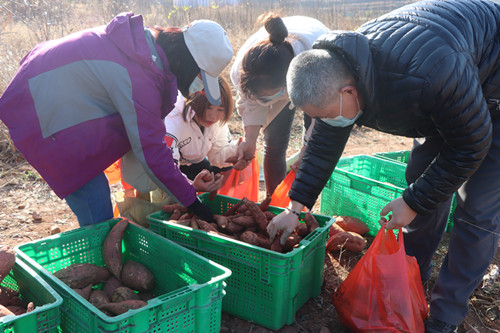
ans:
x=430 y=70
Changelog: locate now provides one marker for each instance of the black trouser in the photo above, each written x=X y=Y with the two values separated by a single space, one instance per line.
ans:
x=473 y=239
x=276 y=139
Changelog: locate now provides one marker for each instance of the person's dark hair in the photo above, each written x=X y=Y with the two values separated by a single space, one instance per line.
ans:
x=181 y=62
x=199 y=102
x=264 y=66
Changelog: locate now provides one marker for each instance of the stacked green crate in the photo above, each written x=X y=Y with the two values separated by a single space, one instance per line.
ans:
x=189 y=288
x=360 y=186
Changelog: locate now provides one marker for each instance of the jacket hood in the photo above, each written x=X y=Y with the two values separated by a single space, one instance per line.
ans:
x=127 y=32
x=354 y=49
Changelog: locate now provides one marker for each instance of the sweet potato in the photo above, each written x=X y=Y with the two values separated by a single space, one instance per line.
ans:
x=242 y=208
x=311 y=222
x=4 y=311
x=259 y=216
x=16 y=309
x=81 y=275
x=7 y=260
x=84 y=292
x=193 y=223
x=6 y=294
x=137 y=276
x=221 y=221
x=122 y=307
x=123 y=294
x=302 y=230
x=176 y=214
x=264 y=205
x=255 y=239
x=112 y=248
x=233 y=228
x=347 y=239
x=233 y=209
x=291 y=242
x=349 y=223
x=185 y=222
x=170 y=208
x=98 y=297
x=30 y=307
x=243 y=220
x=205 y=226
x=15 y=300
x=334 y=229
x=269 y=215
x=110 y=285
x=276 y=244
x=186 y=216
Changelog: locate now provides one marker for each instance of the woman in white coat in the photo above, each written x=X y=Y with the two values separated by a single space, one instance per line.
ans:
x=259 y=74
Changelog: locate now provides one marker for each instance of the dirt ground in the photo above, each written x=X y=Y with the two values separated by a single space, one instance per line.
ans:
x=29 y=210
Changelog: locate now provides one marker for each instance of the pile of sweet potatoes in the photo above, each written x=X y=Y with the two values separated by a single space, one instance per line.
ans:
x=347 y=233
x=116 y=288
x=10 y=302
x=245 y=221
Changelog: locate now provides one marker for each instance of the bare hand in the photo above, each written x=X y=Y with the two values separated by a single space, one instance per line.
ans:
x=401 y=216
x=206 y=181
x=246 y=150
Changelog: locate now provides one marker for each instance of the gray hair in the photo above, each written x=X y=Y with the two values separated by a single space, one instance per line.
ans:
x=316 y=77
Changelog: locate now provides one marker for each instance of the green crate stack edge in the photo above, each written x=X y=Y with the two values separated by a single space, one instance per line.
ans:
x=31 y=288
x=265 y=287
x=190 y=287
x=360 y=186
x=402 y=156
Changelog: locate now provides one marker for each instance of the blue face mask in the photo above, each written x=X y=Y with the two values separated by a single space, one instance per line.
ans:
x=270 y=98
x=340 y=120
x=196 y=85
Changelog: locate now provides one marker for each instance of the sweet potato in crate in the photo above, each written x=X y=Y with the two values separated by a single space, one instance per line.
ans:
x=28 y=286
x=265 y=286
x=189 y=288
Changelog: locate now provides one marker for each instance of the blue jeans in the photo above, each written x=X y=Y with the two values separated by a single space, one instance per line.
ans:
x=91 y=203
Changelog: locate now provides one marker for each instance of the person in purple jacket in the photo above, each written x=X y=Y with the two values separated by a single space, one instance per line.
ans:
x=79 y=103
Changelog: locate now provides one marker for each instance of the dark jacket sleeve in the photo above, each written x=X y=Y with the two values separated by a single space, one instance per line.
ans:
x=320 y=158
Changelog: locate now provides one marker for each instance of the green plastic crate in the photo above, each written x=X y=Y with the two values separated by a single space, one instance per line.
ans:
x=401 y=156
x=360 y=186
x=190 y=287
x=385 y=171
x=265 y=287
x=31 y=288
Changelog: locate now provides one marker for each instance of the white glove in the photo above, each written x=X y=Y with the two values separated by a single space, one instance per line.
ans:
x=286 y=221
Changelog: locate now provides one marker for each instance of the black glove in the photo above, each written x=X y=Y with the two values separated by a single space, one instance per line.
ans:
x=201 y=210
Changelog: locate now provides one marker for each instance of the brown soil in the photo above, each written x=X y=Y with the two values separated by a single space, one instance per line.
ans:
x=29 y=210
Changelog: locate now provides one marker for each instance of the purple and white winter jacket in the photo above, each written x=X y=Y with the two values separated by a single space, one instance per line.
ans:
x=78 y=103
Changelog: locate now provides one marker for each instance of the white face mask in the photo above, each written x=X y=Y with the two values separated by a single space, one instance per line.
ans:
x=340 y=120
x=196 y=85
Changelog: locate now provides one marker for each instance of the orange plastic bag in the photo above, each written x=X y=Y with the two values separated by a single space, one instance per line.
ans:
x=242 y=183
x=383 y=292
x=280 y=196
x=113 y=172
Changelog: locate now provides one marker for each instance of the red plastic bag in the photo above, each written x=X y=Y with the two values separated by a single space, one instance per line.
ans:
x=383 y=292
x=242 y=183
x=113 y=172
x=280 y=196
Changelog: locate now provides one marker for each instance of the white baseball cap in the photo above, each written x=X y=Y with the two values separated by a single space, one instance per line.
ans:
x=210 y=47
